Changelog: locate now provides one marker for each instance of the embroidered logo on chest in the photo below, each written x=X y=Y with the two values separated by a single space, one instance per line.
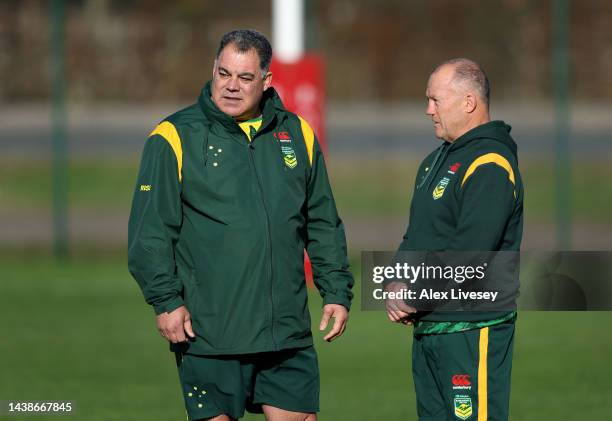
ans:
x=289 y=156
x=438 y=192
x=282 y=137
x=454 y=168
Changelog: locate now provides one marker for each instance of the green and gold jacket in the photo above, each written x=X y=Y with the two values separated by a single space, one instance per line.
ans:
x=468 y=196
x=219 y=223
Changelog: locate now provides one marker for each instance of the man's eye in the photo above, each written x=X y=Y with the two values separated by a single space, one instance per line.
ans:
x=223 y=74
x=246 y=78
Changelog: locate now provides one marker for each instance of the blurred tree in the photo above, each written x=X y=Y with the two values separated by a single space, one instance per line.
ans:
x=155 y=50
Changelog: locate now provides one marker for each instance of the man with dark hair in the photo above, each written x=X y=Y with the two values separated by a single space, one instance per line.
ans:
x=244 y=40
x=468 y=197
x=230 y=192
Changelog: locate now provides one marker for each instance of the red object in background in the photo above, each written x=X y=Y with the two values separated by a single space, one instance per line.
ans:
x=308 y=271
x=301 y=86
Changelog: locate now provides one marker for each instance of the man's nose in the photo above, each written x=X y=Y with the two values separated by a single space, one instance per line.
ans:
x=430 y=109
x=233 y=85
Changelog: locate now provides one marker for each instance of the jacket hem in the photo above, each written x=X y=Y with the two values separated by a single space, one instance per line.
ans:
x=204 y=350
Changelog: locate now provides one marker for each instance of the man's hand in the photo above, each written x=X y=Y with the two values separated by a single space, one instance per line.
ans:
x=340 y=315
x=397 y=309
x=175 y=324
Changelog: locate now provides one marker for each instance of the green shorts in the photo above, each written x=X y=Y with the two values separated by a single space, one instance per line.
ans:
x=215 y=385
x=464 y=375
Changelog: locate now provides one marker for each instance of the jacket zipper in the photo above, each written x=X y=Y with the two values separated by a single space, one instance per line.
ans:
x=430 y=169
x=435 y=166
x=261 y=194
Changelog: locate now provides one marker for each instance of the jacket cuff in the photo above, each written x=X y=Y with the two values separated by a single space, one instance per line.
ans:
x=168 y=305
x=341 y=299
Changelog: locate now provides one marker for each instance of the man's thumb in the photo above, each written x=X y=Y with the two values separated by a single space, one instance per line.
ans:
x=325 y=319
x=187 y=326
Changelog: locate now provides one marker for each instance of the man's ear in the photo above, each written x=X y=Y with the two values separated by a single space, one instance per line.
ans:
x=214 y=69
x=267 y=80
x=471 y=102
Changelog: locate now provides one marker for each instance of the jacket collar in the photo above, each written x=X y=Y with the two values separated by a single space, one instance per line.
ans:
x=495 y=130
x=271 y=105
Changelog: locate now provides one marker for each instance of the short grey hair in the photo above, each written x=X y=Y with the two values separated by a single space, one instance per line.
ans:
x=246 y=39
x=468 y=71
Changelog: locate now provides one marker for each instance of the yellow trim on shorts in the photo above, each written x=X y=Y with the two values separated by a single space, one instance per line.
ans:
x=483 y=348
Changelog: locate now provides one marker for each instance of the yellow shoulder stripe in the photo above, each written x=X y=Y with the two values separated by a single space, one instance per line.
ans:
x=167 y=130
x=490 y=158
x=308 y=137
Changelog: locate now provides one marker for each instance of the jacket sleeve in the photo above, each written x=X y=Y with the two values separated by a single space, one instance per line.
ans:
x=154 y=226
x=487 y=199
x=326 y=242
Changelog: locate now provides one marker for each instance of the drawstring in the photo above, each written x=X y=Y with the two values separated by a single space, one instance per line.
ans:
x=205 y=144
x=432 y=167
x=446 y=147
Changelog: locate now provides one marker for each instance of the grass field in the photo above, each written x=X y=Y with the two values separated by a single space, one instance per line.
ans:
x=80 y=331
x=384 y=186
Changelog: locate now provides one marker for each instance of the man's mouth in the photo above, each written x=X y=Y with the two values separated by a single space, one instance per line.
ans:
x=231 y=98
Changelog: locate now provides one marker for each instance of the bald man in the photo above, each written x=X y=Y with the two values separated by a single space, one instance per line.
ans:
x=468 y=197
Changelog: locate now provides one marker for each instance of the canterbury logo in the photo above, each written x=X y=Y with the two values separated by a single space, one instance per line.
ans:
x=461 y=380
x=282 y=136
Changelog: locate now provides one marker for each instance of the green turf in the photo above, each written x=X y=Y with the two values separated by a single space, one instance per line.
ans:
x=103 y=184
x=81 y=331
x=384 y=188
x=363 y=187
